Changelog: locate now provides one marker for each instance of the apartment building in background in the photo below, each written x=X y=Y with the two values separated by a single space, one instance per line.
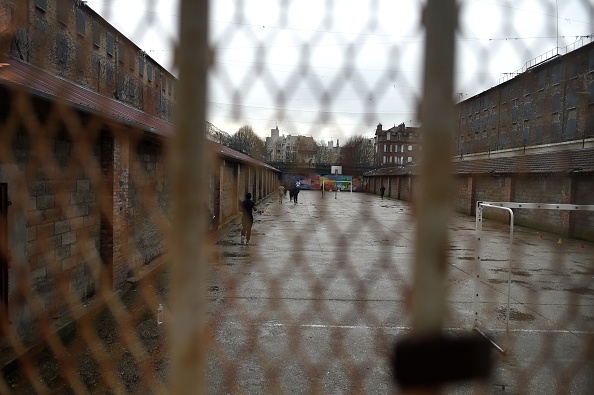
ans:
x=299 y=150
x=397 y=146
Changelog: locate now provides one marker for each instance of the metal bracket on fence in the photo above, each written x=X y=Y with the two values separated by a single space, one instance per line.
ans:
x=431 y=361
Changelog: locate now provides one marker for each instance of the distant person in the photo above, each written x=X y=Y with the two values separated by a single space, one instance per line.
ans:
x=382 y=190
x=248 y=207
x=295 y=192
x=210 y=219
x=281 y=193
x=291 y=194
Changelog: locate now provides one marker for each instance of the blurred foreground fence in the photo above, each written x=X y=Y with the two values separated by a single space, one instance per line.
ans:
x=111 y=284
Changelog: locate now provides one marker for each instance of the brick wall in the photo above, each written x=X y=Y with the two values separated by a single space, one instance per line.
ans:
x=392 y=187
x=540 y=189
x=102 y=190
x=406 y=188
x=242 y=182
x=149 y=195
x=547 y=105
x=55 y=231
x=563 y=189
x=120 y=208
x=493 y=189
x=582 y=221
x=229 y=184
x=76 y=43
x=464 y=195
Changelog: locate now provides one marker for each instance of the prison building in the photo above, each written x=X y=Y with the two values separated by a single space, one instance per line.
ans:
x=529 y=139
x=85 y=118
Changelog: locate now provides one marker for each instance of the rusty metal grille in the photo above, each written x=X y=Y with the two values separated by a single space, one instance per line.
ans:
x=112 y=281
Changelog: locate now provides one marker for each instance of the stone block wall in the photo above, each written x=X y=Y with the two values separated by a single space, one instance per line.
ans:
x=229 y=183
x=242 y=183
x=493 y=189
x=551 y=104
x=537 y=188
x=406 y=188
x=583 y=221
x=395 y=187
x=54 y=221
x=149 y=201
x=540 y=189
x=464 y=194
x=90 y=197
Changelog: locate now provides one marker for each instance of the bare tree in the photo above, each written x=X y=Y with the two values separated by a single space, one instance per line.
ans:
x=247 y=141
x=323 y=154
x=357 y=152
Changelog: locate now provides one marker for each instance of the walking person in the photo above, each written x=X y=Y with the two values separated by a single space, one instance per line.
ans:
x=295 y=192
x=248 y=206
x=281 y=193
x=382 y=191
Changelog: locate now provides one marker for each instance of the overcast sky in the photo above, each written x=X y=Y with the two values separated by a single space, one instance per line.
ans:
x=333 y=69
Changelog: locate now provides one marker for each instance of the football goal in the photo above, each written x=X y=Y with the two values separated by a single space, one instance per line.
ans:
x=337 y=186
x=484 y=303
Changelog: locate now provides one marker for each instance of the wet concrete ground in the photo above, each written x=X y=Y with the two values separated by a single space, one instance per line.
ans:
x=316 y=302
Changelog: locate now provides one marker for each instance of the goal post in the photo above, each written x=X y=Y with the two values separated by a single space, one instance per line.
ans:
x=339 y=186
x=348 y=183
x=508 y=207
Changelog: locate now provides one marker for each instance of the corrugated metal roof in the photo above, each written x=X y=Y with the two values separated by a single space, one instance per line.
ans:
x=38 y=81
x=42 y=83
x=392 y=171
x=227 y=152
x=565 y=161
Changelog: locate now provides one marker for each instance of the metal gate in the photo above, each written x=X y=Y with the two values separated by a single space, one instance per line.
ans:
x=116 y=283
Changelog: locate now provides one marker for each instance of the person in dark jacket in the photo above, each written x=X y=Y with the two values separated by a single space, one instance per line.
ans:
x=295 y=192
x=382 y=190
x=248 y=206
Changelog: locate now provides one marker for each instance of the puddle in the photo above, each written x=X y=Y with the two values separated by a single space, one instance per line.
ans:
x=235 y=254
x=521 y=273
x=515 y=315
x=504 y=281
x=581 y=291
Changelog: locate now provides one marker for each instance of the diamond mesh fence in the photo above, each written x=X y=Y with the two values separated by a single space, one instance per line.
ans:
x=116 y=279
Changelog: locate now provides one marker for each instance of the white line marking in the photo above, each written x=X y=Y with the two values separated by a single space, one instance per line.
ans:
x=408 y=328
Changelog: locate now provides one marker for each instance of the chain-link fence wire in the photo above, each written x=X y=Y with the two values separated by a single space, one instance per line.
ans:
x=67 y=330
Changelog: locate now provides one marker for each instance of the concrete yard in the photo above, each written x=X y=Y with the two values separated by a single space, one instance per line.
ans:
x=316 y=302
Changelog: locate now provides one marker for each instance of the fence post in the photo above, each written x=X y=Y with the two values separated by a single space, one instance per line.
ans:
x=190 y=267
x=437 y=117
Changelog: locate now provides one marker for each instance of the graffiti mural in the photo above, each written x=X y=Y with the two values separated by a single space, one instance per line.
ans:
x=330 y=181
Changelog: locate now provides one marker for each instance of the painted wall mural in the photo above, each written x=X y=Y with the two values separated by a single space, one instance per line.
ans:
x=330 y=181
